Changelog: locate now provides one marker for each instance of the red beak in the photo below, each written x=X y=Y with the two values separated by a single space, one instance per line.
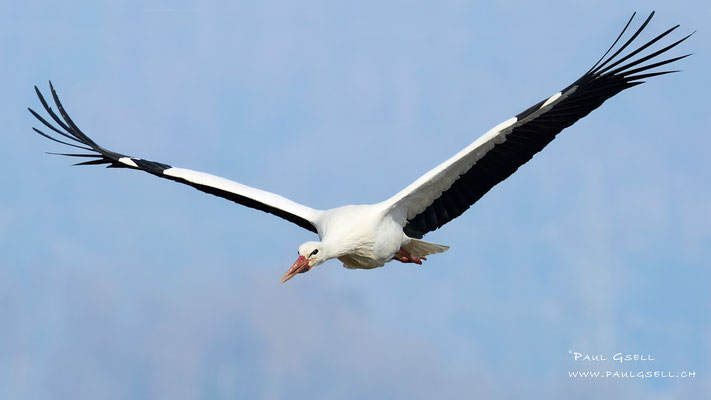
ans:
x=300 y=265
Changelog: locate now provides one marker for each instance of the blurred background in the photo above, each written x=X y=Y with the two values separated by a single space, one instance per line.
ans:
x=116 y=285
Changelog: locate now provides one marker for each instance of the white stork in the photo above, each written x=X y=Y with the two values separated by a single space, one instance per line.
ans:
x=368 y=236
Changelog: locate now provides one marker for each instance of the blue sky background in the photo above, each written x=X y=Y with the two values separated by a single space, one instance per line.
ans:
x=115 y=285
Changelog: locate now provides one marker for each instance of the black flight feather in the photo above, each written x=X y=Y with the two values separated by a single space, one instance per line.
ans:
x=534 y=130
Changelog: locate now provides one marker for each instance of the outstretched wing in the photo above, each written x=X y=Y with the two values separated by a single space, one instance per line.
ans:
x=448 y=190
x=247 y=196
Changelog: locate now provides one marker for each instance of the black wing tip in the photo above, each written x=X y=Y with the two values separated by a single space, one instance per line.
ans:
x=79 y=140
x=70 y=154
x=98 y=161
x=65 y=127
x=39 y=92
x=614 y=69
x=687 y=36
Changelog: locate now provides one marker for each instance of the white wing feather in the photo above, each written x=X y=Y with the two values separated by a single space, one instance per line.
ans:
x=420 y=194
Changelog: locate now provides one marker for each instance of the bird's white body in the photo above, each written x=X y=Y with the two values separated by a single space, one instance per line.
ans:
x=370 y=239
x=368 y=236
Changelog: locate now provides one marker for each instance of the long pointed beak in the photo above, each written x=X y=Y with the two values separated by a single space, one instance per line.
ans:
x=299 y=266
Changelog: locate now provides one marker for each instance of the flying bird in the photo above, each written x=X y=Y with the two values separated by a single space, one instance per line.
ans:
x=368 y=236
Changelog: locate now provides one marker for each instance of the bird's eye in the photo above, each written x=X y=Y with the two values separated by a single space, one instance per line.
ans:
x=313 y=253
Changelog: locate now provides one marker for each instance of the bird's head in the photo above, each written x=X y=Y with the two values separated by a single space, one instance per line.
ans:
x=311 y=254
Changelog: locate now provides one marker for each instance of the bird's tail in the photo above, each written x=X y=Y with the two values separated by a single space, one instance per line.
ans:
x=420 y=248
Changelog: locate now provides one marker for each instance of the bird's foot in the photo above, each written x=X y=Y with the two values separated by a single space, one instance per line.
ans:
x=405 y=257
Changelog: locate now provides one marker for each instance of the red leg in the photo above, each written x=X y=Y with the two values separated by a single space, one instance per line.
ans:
x=405 y=257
